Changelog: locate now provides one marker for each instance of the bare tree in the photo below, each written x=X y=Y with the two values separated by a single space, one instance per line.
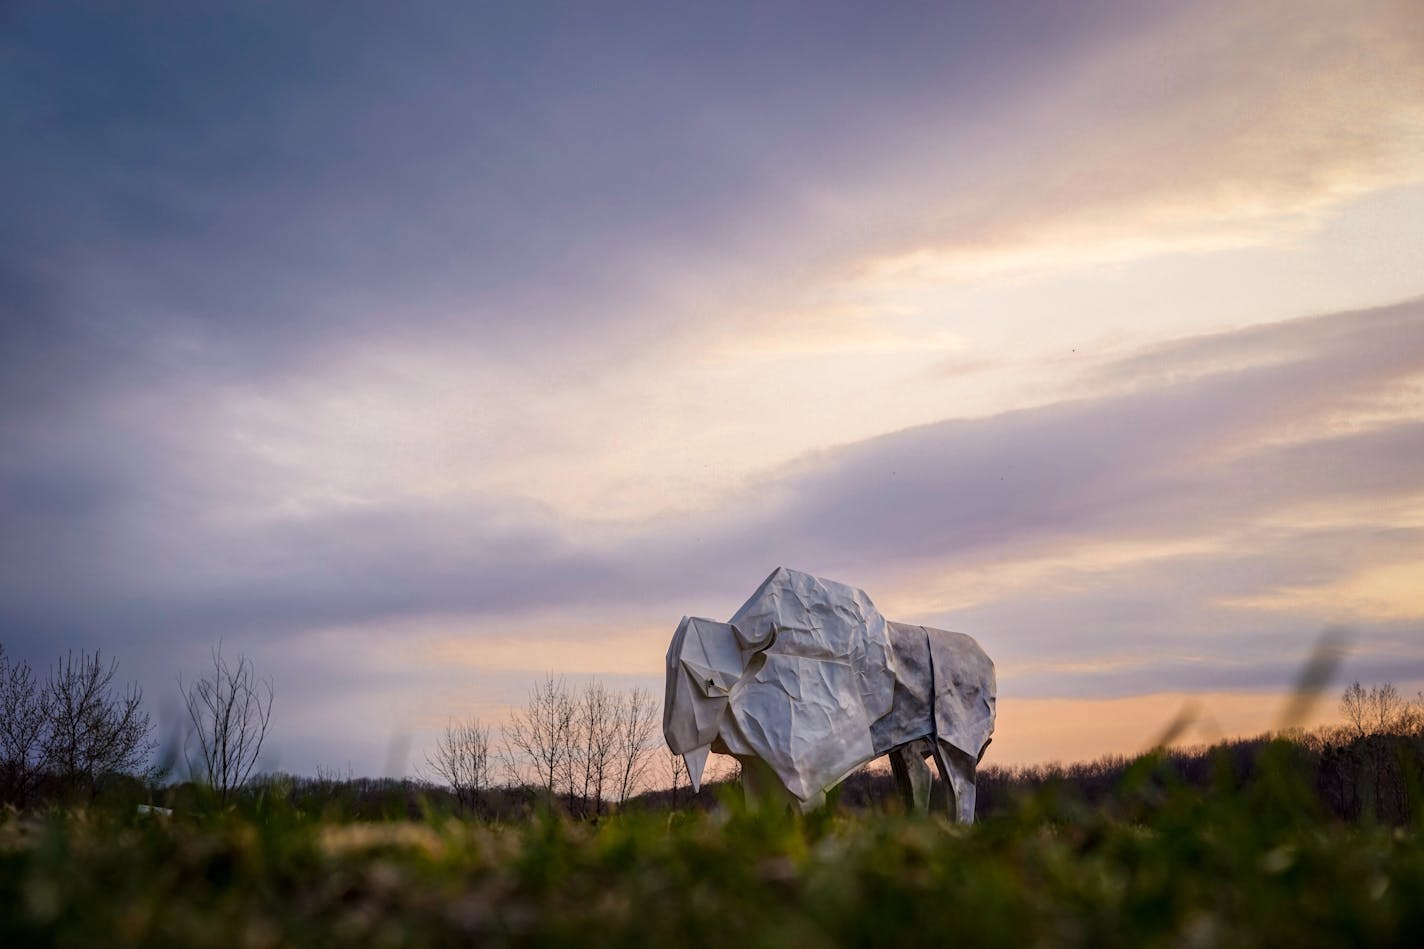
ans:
x=1387 y=706
x=539 y=737
x=24 y=714
x=462 y=759
x=678 y=767
x=636 y=738
x=1378 y=710
x=596 y=723
x=1354 y=706
x=92 y=729
x=229 y=709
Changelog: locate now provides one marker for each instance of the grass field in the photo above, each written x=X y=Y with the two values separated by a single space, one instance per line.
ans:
x=1159 y=865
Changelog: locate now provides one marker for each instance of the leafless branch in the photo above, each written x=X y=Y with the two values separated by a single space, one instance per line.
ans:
x=637 y=737
x=1378 y=710
x=539 y=736
x=462 y=760
x=229 y=710
x=93 y=730
x=24 y=714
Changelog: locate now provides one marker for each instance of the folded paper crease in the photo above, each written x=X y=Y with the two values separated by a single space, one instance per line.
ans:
x=810 y=678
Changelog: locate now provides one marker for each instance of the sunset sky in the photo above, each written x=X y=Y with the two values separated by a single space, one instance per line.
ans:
x=416 y=352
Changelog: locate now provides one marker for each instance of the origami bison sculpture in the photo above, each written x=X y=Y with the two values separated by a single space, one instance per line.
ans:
x=808 y=681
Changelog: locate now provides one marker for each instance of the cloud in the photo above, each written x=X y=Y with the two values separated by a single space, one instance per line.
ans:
x=480 y=177
x=314 y=328
x=1215 y=128
x=1139 y=461
x=467 y=171
x=1161 y=536
x=1181 y=517
x=1197 y=455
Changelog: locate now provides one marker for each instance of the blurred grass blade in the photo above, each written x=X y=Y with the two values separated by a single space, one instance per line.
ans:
x=1325 y=658
x=1190 y=711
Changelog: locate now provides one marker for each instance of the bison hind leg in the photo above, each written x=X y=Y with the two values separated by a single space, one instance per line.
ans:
x=957 y=770
x=912 y=775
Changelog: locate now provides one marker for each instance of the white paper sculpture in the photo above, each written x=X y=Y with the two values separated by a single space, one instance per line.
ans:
x=809 y=681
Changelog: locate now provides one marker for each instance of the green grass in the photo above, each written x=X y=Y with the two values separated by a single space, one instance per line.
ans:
x=1161 y=864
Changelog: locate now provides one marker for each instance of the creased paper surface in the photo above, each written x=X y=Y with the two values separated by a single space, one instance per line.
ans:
x=812 y=679
x=802 y=615
x=965 y=691
x=804 y=717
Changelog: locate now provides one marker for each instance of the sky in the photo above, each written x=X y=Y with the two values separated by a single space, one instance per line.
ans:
x=417 y=354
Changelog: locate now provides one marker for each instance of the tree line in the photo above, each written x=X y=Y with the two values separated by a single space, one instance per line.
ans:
x=63 y=734
x=1369 y=767
x=588 y=748
x=584 y=748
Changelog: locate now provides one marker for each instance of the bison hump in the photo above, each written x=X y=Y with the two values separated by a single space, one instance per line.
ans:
x=797 y=614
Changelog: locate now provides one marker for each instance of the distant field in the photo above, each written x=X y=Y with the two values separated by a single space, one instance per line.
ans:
x=1159 y=865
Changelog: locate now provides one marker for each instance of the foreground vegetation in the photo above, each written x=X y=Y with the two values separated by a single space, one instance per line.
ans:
x=1255 y=861
x=1313 y=840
